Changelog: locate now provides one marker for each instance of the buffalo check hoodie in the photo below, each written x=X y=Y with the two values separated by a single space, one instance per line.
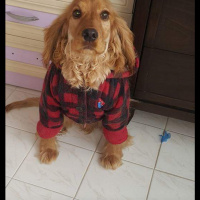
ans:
x=110 y=103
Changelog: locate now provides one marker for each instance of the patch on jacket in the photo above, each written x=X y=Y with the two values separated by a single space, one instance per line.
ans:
x=100 y=103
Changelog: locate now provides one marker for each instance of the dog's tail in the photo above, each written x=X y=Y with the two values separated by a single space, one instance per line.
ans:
x=29 y=102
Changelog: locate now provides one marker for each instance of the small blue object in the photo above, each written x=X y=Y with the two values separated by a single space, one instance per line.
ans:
x=99 y=105
x=165 y=137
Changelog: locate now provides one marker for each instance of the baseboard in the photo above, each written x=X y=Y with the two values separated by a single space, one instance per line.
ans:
x=161 y=110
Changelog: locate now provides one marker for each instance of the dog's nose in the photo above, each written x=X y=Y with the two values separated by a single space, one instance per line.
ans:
x=90 y=34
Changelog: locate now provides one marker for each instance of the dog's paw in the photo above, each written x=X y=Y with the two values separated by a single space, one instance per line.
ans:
x=87 y=131
x=48 y=155
x=111 y=162
x=63 y=131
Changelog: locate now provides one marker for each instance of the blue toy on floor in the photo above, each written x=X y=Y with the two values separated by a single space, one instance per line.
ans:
x=165 y=137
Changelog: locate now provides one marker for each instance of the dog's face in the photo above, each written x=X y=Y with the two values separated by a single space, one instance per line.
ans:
x=89 y=26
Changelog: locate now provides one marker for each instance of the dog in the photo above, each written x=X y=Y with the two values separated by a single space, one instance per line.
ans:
x=89 y=56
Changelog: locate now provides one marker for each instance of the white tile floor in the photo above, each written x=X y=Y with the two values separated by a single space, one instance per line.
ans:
x=150 y=170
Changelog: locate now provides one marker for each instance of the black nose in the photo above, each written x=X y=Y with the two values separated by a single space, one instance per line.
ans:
x=90 y=34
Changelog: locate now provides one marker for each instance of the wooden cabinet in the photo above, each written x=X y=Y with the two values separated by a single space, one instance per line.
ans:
x=171 y=26
x=165 y=80
x=166 y=77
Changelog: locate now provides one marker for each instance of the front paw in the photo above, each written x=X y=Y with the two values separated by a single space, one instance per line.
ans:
x=48 y=155
x=111 y=162
x=63 y=131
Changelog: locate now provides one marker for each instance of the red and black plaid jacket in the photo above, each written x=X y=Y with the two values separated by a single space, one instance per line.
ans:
x=109 y=104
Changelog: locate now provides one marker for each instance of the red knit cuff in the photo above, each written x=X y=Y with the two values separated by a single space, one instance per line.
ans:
x=45 y=132
x=116 y=137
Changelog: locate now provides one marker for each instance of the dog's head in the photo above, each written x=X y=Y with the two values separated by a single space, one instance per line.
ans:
x=92 y=28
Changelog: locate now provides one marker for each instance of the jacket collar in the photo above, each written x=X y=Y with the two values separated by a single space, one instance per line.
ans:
x=123 y=75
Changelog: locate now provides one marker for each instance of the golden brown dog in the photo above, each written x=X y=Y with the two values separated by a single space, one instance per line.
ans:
x=88 y=40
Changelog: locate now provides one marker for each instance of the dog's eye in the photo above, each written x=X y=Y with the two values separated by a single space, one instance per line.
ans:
x=104 y=15
x=76 y=14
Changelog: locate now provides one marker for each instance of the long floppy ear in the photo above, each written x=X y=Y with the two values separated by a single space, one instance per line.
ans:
x=54 y=37
x=122 y=44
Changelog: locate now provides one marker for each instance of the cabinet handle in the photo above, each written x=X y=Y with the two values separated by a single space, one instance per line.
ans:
x=22 y=18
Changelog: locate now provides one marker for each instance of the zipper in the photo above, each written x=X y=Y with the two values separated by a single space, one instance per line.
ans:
x=85 y=117
x=85 y=102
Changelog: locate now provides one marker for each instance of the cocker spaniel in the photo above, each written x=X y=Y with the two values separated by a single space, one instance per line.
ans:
x=92 y=57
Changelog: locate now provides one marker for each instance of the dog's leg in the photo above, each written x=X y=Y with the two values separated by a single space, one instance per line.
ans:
x=66 y=124
x=48 y=150
x=88 y=128
x=112 y=154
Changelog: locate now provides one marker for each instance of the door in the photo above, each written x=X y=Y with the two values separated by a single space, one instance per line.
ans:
x=166 y=75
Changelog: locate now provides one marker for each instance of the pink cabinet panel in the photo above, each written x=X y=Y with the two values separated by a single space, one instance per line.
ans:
x=25 y=56
x=25 y=81
x=20 y=55
x=45 y=19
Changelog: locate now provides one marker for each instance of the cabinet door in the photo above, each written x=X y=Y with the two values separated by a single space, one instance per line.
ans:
x=166 y=74
x=166 y=78
x=171 y=26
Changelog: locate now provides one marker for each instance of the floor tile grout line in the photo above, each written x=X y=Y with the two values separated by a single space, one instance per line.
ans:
x=162 y=128
x=180 y=133
x=19 y=129
x=15 y=90
x=10 y=93
x=156 y=163
x=27 y=92
x=84 y=175
x=8 y=181
x=152 y=174
x=146 y=124
x=41 y=187
x=76 y=146
x=87 y=169
x=98 y=144
x=24 y=158
x=131 y=162
x=138 y=164
x=19 y=87
x=92 y=150
x=57 y=139
x=174 y=175
x=8 y=86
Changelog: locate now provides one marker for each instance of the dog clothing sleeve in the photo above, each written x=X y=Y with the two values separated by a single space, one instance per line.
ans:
x=115 y=120
x=51 y=117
